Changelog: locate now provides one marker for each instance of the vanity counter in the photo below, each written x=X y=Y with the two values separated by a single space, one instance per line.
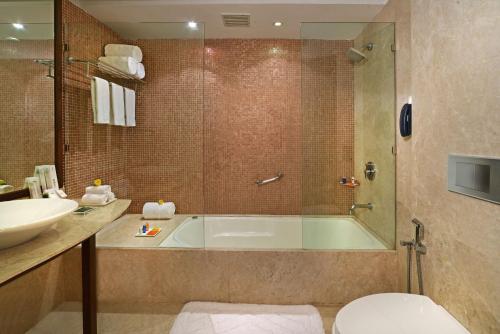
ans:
x=64 y=235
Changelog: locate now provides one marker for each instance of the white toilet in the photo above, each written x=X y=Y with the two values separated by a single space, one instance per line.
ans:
x=395 y=313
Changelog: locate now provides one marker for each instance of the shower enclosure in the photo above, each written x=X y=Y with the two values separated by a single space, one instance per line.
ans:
x=348 y=111
x=261 y=143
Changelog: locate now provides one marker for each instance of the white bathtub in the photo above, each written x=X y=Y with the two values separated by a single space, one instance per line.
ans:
x=271 y=232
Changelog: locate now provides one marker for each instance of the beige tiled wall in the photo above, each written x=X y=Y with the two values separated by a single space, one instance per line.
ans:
x=374 y=90
x=29 y=298
x=144 y=276
x=455 y=86
x=446 y=59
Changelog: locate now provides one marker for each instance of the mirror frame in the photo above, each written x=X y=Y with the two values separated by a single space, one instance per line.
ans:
x=58 y=106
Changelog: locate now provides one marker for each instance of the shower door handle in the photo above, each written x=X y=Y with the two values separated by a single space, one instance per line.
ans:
x=266 y=181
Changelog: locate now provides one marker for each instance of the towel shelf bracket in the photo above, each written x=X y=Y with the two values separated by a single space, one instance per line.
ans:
x=104 y=68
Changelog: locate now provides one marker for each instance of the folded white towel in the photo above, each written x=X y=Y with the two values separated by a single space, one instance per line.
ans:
x=99 y=190
x=124 y=64
x=129 y=106
x=100 y=100
x=117 y=105
x=94 y=199
x=219 y=318
x=124 y=50
x=141 y=71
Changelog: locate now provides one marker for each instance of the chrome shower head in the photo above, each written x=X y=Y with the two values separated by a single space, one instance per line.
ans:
x=355 y=56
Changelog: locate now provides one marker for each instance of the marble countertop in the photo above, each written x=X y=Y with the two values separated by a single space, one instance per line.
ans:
x=65 y=234
x=122 y=232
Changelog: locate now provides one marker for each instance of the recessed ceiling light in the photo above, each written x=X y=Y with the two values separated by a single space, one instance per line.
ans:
x=18 y=26
x=10 y=38
x=278 y=24
x=192 y=25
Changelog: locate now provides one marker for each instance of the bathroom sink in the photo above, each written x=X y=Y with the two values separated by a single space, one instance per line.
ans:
x=22 y=220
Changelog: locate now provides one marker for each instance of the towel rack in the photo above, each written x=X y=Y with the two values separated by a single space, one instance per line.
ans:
x=104 y=68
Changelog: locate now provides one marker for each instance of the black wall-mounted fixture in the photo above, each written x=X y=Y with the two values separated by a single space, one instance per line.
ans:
x=405 y=120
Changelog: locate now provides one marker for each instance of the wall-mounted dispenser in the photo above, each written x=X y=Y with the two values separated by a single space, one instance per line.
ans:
x=405 y=119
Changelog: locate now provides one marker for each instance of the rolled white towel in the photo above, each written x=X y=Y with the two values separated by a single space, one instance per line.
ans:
x=124 y=50
x=124 y=64
x=141 y=71
x=151 y=210
x=99 y=190
x=94 y=199
x=166 y=210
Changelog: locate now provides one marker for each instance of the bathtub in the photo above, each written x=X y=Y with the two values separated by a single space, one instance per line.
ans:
x=271 y=232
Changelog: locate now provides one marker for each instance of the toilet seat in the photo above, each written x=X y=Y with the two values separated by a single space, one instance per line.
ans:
x=395 y=313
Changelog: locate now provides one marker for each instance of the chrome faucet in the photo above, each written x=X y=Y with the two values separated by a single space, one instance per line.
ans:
x=360 y=206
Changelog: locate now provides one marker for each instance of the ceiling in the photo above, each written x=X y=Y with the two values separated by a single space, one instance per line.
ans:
x=123 y=16
x=41 y=11
x=36 y=16
x=262 y=15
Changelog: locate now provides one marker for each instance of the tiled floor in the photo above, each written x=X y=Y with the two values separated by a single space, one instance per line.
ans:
x=67 y=319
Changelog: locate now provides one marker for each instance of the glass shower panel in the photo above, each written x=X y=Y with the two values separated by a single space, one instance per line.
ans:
x=348 y=122
x=161 y=158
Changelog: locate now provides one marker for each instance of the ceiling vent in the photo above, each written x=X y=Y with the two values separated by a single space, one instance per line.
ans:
x=236 y=20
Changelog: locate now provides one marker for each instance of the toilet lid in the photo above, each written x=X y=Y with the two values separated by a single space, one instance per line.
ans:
x=395 y=313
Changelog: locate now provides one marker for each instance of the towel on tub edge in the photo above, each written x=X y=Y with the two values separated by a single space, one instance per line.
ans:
x=218 y=318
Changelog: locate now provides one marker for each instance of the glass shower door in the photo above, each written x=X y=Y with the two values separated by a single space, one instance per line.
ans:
x=347 y=122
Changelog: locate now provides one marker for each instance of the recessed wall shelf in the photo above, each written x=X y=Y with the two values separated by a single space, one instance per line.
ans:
x=350 y=185
x=474 y=176
x=104 y=68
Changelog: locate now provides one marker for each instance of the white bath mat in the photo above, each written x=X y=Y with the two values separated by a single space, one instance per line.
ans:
x=220 y=318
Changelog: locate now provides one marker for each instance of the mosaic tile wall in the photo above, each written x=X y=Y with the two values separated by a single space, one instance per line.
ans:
x=26 y=109
x=94 y=150
x=165 y=150
x=252 y=126
x=328 y=126
x=203 y=139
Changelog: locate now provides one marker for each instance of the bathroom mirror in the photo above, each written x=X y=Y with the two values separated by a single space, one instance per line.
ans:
x=27 y=92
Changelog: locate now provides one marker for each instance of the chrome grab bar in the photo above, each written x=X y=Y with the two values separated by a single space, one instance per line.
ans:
x=276 y=178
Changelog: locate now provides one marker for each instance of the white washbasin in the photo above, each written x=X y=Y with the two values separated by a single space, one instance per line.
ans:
x=22 y=220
